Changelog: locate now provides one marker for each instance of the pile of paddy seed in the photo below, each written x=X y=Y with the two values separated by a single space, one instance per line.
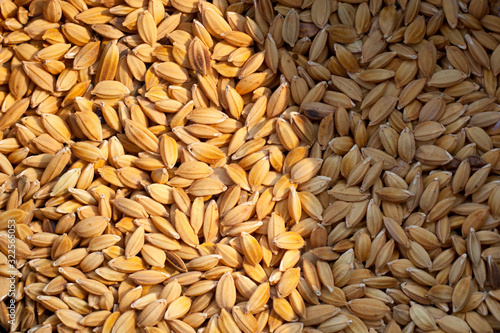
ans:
x=233 y=166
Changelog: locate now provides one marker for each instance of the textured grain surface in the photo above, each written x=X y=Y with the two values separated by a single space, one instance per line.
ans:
x=250 y=166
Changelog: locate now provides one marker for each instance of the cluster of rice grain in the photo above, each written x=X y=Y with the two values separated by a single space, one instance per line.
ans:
x=248 y=166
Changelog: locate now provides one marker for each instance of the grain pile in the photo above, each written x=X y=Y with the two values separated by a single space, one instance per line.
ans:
x=236 y=166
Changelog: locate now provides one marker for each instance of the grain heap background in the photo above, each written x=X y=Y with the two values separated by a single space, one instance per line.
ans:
x=236 y=166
